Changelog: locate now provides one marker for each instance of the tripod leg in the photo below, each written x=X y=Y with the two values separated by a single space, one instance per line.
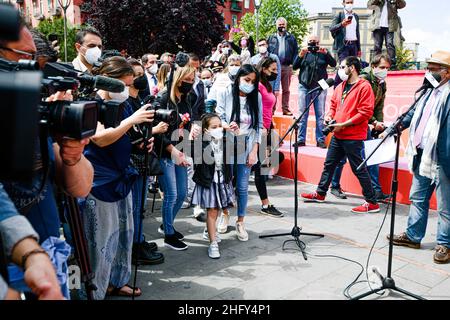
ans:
x=275 y=235
x=412 y=295
x=312 y=235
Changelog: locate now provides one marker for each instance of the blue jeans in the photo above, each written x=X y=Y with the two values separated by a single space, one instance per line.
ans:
x=174 y=185
x=421 y=192
x=242 y=174
x=137 y=216
x=374 y=172
x=304 y=100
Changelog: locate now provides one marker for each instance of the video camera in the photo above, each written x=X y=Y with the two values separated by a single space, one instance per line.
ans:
x=313 y=47
x=143 y=132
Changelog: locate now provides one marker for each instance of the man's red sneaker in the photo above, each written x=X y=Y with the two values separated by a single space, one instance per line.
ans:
x=313 y=197
x=367 y=208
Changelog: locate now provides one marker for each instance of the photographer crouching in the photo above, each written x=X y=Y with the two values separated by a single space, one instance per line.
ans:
x=352 y=106
x=67 y=167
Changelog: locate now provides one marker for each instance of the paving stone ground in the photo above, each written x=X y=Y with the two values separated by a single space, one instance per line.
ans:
x=260 y=269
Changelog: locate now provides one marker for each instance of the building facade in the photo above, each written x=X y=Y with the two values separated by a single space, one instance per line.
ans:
x=233 y=11
x=319 y=24
x=35 y=11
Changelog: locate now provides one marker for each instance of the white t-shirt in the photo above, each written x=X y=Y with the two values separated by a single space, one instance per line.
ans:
x=245 y=117
x=350 y=34
x=384 y=21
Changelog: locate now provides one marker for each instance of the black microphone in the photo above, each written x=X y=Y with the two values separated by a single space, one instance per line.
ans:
x=182 y=59
x=55 y=69
x=431 y=81
x=323 y=85
x=102 y=83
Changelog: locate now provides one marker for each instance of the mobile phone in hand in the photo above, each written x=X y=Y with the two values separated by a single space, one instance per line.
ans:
x=52 y=37
x=350 y=18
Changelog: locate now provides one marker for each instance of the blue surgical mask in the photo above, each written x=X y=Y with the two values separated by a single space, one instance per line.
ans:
x=246 y=87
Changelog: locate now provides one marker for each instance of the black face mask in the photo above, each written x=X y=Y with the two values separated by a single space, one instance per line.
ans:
x=185 y=87
x=140 y=83
x=281 y=29
x=273 y=76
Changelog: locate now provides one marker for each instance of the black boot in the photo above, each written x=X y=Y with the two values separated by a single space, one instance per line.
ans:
x=142 y=254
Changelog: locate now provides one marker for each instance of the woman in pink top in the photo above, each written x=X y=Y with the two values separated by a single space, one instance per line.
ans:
x=268 y=70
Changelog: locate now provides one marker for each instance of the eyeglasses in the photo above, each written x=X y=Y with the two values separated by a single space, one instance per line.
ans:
x=31 y=56
x=436 y=69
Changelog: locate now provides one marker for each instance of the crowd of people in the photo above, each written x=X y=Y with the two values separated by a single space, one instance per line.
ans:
x=225 y=104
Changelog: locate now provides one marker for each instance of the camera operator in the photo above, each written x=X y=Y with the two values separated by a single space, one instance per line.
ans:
x=174 y=162
x=89 y=45
x=21 y=247
x=351 y=107
x=108 y=209
x=312 y=62
x=68 y=167
x=376 y=75
x=143 y=252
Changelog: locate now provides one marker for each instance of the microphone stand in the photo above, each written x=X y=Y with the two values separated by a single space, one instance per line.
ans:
x=388 y=283
x=296 y=231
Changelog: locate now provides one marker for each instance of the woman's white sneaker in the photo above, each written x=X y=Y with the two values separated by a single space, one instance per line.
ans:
x=213 y=250
x=241 y=233
x=223 y=223
x=206 y=236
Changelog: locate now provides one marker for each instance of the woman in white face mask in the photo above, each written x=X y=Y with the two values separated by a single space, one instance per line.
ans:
x=226 y=78
x=240 y=109
x=109 y=207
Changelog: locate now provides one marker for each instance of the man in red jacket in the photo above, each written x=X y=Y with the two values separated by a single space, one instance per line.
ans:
x=351 y=107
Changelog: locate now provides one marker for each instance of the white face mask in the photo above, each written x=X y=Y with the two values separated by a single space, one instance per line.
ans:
x=120 y=96
x=216 y=134
x=226 y=51
x=93 y=55
x=207 y=82
x=153 y=69
x=262 y=49
x=381 y=74
x=343 y=75
x=349 y=7
x=233 y=70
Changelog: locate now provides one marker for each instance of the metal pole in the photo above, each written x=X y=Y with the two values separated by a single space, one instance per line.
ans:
x=257 y=24
x=64 y=8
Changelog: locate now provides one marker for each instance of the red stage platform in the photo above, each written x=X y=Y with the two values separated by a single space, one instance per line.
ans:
x=400 y=95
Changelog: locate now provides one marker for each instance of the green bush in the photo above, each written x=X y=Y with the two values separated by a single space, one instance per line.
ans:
x=56 y=26
x=270 y=11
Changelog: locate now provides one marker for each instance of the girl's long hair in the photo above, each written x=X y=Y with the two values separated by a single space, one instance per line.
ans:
x=252 y=98
x=265 y=64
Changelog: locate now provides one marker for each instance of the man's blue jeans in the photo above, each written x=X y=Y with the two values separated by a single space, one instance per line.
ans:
x=174 y=185
x=304 y=100
x=137 y=198
x=242 y=174
x=421 y=192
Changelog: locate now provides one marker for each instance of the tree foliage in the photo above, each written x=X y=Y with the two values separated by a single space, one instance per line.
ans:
x=404 y=57
x=157 y=26
x=56 y=26
x=270 y=11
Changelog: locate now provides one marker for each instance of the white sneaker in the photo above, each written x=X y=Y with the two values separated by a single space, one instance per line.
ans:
x=197 y=211
x=213 y=250
x=223 y=223
x=241 y=233
x=206 y=236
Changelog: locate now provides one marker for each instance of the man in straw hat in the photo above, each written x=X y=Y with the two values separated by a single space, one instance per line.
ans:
x=428 y=152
